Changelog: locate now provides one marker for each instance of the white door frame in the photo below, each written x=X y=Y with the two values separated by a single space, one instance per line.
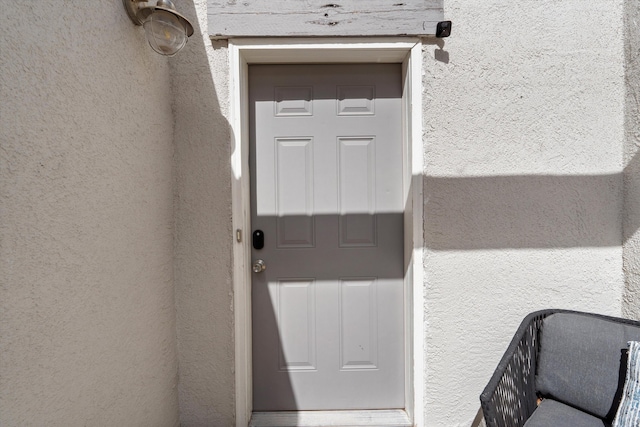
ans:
x=408 y=52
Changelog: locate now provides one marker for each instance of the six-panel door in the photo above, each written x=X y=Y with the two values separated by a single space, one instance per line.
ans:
x=326 y=165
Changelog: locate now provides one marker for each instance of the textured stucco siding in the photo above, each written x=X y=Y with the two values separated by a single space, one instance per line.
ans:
x=116 y=303
x=87 y=318
x=631 y=306
x=524 y=128
x=203 y=242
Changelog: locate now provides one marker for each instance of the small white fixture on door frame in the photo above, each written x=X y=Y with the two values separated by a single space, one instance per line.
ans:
x=406 y=51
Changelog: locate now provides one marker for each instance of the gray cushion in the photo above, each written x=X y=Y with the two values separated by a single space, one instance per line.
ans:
x=582 y=361
x=551 y=413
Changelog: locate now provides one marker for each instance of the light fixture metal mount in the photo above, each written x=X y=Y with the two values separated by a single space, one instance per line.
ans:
x=140 y=10
x=133 y=6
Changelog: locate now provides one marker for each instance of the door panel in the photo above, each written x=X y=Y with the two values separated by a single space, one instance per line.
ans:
x=326 y=161
x=295 y=307
x=358 y=324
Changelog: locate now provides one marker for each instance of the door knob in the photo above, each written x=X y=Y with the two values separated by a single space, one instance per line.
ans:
x=259 y=266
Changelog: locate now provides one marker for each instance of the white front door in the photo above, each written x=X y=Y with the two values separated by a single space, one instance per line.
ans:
x=327 y=216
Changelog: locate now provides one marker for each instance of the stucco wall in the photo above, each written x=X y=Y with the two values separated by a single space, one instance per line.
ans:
x=203 y=243
x=524 y=128
x=87 y=320
x=631 y=306
x=107 y=230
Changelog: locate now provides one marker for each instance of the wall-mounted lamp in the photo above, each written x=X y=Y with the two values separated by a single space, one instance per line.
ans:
x=166 y=30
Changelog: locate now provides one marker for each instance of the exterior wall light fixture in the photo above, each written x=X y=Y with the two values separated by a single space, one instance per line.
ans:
x=166 y=29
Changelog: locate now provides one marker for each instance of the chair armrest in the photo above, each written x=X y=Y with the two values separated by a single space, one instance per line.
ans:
x=509 y=398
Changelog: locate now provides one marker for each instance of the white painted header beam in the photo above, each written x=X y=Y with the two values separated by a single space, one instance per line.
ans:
x=323 y=18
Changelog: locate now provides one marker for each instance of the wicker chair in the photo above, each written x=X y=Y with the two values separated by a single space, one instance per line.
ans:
x=511 y=397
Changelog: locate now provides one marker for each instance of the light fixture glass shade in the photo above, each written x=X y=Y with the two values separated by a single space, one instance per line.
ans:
x=165 y=33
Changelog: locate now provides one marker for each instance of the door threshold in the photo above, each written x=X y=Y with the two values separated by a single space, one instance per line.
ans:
x=370 y=418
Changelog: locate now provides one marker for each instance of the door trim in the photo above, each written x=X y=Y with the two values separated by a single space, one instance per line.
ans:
x=408 y=52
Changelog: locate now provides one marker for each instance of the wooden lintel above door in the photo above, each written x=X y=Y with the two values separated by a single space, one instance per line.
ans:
x=323 y=18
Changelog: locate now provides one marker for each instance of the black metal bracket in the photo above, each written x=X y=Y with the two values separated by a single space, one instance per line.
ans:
x=443 y=29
